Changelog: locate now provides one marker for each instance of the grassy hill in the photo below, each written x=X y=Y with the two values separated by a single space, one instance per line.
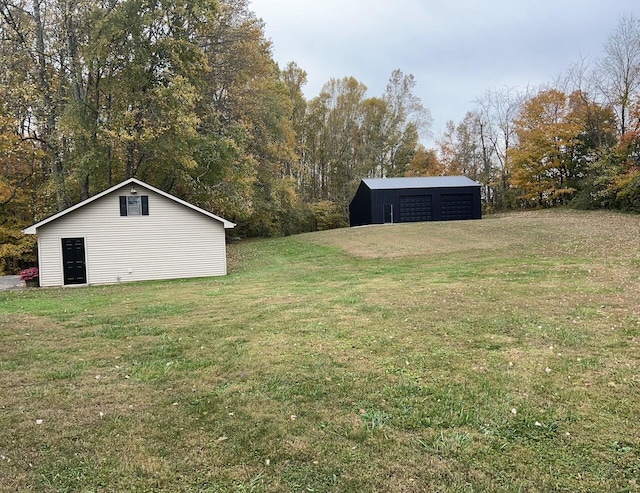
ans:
x=493 y=355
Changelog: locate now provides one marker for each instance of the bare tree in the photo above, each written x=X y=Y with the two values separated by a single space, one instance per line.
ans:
x=619 y=71
x=498 y=111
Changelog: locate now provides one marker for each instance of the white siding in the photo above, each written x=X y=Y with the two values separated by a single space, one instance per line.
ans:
x=173 y=241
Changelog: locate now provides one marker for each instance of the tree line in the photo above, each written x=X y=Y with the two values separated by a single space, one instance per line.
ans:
x=186 y=96
x=574 y=142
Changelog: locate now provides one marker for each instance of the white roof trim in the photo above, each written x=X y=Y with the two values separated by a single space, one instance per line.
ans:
x=32 y=230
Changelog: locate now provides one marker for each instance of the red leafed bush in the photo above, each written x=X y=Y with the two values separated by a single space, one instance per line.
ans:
x=30 y=273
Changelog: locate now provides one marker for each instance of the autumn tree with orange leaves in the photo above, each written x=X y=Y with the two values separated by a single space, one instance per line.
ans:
x=543 y=165
x=18 y=176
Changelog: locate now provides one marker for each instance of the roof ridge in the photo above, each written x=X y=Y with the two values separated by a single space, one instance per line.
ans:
x=33 y=228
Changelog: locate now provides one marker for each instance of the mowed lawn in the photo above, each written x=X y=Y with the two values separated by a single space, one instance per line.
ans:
x=492 y=355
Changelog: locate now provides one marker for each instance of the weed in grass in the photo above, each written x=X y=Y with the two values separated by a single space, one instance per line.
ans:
x=164 y=309
x=374 y=419
x=445 y=444
x=63 y=374
x=9 y=365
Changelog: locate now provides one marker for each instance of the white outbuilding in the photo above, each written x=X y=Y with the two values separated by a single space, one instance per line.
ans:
x=130 y=232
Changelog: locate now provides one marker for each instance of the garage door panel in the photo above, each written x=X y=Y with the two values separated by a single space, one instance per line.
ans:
x=456 y=206
x=414 y=208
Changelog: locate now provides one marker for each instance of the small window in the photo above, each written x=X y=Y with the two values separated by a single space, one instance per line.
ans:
x=134 y=205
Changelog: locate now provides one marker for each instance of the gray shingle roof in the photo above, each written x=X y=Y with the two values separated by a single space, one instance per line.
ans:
x=420 y=182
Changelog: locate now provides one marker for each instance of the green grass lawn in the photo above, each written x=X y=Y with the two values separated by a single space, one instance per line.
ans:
x=492 y=355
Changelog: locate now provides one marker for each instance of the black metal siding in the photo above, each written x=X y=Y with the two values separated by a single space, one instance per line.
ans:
x=360 y=207
x=378 y=200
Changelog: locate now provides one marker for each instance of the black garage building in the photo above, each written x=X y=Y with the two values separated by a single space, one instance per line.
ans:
x=403 y=200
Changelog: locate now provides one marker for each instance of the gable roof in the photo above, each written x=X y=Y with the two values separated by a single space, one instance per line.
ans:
x=131 y=181
x=419 y=182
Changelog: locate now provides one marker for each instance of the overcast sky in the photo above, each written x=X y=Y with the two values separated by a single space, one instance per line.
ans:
x=456 y=49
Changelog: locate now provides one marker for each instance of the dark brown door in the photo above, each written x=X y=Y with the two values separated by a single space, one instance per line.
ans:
x=73 y=260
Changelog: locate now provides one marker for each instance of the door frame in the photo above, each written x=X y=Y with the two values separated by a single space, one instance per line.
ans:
x=86 y=266
x=389 y=208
